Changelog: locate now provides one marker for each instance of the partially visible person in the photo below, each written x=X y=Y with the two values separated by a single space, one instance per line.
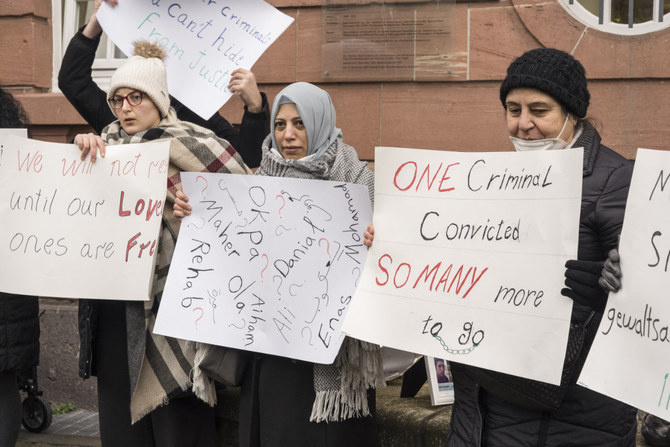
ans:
x=545 y=97
x=441 y=371
x=76 y=82
x=19 y=321
x=146 y=397
x=286 y=402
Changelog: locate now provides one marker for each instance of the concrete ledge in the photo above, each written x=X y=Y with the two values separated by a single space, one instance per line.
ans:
x=407 y=421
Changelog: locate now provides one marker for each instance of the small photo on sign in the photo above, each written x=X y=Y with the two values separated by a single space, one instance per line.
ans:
x=440 y=381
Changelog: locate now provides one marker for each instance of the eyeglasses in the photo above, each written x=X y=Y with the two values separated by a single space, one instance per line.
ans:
x=134 y=99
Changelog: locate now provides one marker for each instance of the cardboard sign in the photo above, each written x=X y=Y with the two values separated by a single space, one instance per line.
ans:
x=205 y=41
x=266 y=264
x=76 y=229
x=468 y=257
x=629 y=357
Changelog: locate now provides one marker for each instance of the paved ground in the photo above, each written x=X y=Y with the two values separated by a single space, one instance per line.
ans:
x=78 y=428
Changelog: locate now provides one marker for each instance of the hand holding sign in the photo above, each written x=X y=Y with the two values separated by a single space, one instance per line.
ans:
x=206 y=42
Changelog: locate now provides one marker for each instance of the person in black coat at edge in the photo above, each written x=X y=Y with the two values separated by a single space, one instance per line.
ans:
x=19 y=320
x=545 y=97
x=76 y=83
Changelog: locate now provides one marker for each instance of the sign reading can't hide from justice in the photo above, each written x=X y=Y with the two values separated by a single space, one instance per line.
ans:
x=205 y=41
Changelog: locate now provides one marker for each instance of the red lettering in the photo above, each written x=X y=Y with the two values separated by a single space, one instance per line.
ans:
x=151 y=245
x=131 y=244
x=384 y=270
x=426 y=173
x=446 y=177
x=397 y=172
x=34 y=162
x=158 y=166
x=408 y=179
x=139 y=207
x=121 y=212
x=409 y=271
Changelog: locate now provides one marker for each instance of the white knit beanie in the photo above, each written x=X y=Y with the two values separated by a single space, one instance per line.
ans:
x=144 y=71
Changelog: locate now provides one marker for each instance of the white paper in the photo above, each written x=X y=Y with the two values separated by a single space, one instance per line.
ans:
x=76 y=229
x=205 y=41
x=427 y=290
x=266 y=264
x=629 y=357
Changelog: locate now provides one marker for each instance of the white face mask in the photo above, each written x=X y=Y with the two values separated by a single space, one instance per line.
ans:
x=545 y=144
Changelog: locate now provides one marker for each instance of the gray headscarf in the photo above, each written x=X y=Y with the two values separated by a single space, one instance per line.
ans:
x=317 y=113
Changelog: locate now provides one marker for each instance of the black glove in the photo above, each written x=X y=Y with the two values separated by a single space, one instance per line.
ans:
x=610 y=278
x=582 y=278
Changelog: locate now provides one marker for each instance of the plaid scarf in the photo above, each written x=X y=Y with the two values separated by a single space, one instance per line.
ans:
x=341 y=388
x=162 y=367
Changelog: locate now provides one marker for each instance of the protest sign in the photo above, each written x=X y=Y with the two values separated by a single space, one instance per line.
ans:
x=629 y=356
x=266 y=264
x=76 y=229
x=468 y=258
x=205 y=41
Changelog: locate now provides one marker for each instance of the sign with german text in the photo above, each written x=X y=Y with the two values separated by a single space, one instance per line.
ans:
x=205 y=41
x=76 y=229
x=468 y=257
x=628 y=359
x=266 y=264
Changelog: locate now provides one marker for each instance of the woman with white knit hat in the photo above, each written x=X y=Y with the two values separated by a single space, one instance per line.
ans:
x=145 y=394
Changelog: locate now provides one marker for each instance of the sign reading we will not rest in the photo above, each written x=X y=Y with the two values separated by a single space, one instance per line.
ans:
x=205 y=41
x=468 y=257
x=76 y=229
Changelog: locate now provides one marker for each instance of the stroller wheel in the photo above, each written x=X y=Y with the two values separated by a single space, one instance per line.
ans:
x=36 y=414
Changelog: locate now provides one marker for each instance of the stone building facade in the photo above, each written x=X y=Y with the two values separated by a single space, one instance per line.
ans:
x=446 y=98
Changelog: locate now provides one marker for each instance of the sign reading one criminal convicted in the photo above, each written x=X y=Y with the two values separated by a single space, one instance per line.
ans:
x=76 y=229
x=205 y=41
x=629 y=357
x=468 y=257
x=266 y=264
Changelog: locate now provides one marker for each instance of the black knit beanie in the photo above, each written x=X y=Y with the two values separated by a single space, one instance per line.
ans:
x=553 y=72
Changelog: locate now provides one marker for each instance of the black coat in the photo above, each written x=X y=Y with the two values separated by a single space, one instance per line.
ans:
x=76 y=82
x=19 y=332
x=585 y=418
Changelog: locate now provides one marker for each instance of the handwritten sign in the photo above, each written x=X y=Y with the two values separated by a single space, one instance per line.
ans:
x=468 y=257
x=205 y=41
x=629 y=357
x=266 y=264
x=76 y=229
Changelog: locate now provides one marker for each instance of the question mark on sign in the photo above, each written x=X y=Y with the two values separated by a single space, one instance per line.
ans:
x=327 y=249
x=357 y=272
x=202 y=312
x=267 y=262
x=278 y=196
x=327 y=245
x=206 y=185
x=193 y=225
x=281 y=281
x=278 y=230
x=290 y=288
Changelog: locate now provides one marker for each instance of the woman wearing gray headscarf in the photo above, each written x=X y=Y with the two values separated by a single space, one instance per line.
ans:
x=287 y=402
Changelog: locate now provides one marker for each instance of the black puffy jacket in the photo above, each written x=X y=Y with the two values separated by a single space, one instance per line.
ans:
x=585 y=418
x=19 y=332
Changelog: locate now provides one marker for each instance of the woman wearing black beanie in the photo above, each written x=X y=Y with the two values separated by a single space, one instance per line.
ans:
x=545 y=97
